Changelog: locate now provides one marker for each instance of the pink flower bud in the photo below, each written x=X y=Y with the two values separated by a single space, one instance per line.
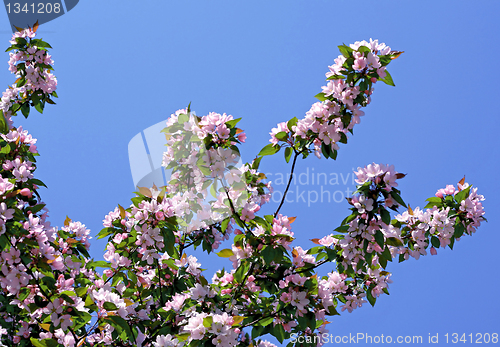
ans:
x=373 y=79
x=433 y=251
x=26 y=192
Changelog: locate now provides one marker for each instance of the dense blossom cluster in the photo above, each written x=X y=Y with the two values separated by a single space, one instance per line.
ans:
x=152 y=292
x=350 y=84
x=32 y=65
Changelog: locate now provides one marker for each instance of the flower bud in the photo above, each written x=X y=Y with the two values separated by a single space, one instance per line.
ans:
x=25 y=192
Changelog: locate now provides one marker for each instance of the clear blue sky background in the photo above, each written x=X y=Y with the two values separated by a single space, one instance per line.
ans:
x=123 y=66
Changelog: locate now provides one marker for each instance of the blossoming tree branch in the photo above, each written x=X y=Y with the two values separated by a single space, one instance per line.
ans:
x=152 y=291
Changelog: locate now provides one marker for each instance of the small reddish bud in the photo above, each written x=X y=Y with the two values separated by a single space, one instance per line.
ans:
x=26 y=192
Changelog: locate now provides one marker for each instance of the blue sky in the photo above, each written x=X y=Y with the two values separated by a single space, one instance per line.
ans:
x=124 y=66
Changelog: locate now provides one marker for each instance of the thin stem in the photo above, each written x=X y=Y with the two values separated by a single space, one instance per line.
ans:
x=263 y=317
x=240 y=287
x=159 y=281
x=289 y=182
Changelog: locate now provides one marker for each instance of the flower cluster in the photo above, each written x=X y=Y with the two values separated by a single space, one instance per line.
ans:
x=350 y=84
x=35 y=84
x=152 y=291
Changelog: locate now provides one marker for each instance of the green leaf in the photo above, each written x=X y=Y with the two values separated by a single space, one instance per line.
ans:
x=37 y=208
x=342 y=229
x=4 y=128
x=183 y=118
x=459 y=229
x=363 y=49
x=119 y=324
x=401 y=258
x=269 y=218
x=388 y=79
x=350 y=218
x=332 y=311
x=386 y=254
x=326 y=150
x=66 y=296
x=25 y=109
x=282 y=136
x=382 y=261
x=336 y=77
x=81 y=291
x=345 y=50
x=15 y=108
x=82 y=319
x=207 y=321
x=21 y=82
x=41 y=44
x=434 y=199
x=398 y=198
x=4 y=241
x=462 y=195
x=270 y=149
x=109 y=306
x=5 y=149
x=224 y=224
x=100 y=263
x=392 y=241
x=256 y=163
x=169 y=239
x=321 y=97
x=291 y=123
x=38 y=182
x=266 y=321
x=435 y=242
x=288 y=154
x=39 y=105
x=44 y=342
x=257 y=331
x=132 y=276
x=241 y=272
x=81 y=248
x=268 y=254
x=279 y=332
x=370 y=297
x=23 y=294
x=225 y=253
x=386 y=216
x=232 y=123
x=105 y=232
x=379 y=238
x=343 y=138
x=40 y=302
